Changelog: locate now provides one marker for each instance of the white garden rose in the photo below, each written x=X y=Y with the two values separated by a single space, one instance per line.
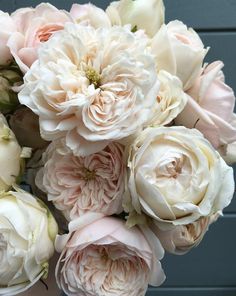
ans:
x=176 y=177
x=91 y=86
x=11 y=156
x=89 y=15
x=25 y=125
x=182 y=238
x=179 y=51
x=138 y=13
x=77 y=185
x=27 y=234
x=171 y=99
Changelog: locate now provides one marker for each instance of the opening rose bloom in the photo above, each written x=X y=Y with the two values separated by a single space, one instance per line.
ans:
x=107 y=258
x=176 y=177
x=211 y=105
x=179 y=51
x=11 y=156
x=27 y=234
x=92 y=86
x=182 y=238
x=171 y=99
x=138 y=13
x=90 y=15
x=34 y=27
x=77 y=185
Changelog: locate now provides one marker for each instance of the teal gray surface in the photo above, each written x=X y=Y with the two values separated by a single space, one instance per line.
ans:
x=210 y=269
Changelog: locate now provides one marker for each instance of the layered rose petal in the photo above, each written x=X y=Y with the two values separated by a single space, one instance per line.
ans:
x=34 y=27
x=176 y=177
x=77 y=185
x=27 y=234
x=138 y=14
x=181 y=239
x=91 y=86
x=211 y=105
x=106 y=258
x=89 y=14
x=171 y=99
x=179 y=51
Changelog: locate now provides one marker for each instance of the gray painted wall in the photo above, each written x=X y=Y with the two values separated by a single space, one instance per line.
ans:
x=210 y=269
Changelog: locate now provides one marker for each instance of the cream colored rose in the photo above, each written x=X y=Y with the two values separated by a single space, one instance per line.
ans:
x=27 y=234
x=181 y=239
x=77 y=185
x=176 y=177
x=171 y=99
x=11 y=156
x=91 y=86
x=179 y=51
x=105 y=258
x=138 y=13
x=89 y=14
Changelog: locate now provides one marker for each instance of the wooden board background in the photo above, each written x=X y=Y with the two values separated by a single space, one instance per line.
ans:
x=210 y=269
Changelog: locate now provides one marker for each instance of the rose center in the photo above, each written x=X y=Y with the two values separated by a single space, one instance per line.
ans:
x=172 y=169
x=46 y=32
x=89 y=175
x=93 y=77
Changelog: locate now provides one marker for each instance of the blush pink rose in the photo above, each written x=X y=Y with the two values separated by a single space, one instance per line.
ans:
x=77 y=185
x=34 y=26
x=105 y=258
x=210 y=107
x=7 y=27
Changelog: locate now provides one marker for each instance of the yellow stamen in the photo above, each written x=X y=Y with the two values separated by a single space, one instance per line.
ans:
x=93 y=77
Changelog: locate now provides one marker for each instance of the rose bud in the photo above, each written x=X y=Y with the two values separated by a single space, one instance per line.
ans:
x=138 y=13
x=10 y=77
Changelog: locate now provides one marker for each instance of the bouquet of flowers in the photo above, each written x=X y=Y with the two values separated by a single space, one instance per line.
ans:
x=112 y=123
